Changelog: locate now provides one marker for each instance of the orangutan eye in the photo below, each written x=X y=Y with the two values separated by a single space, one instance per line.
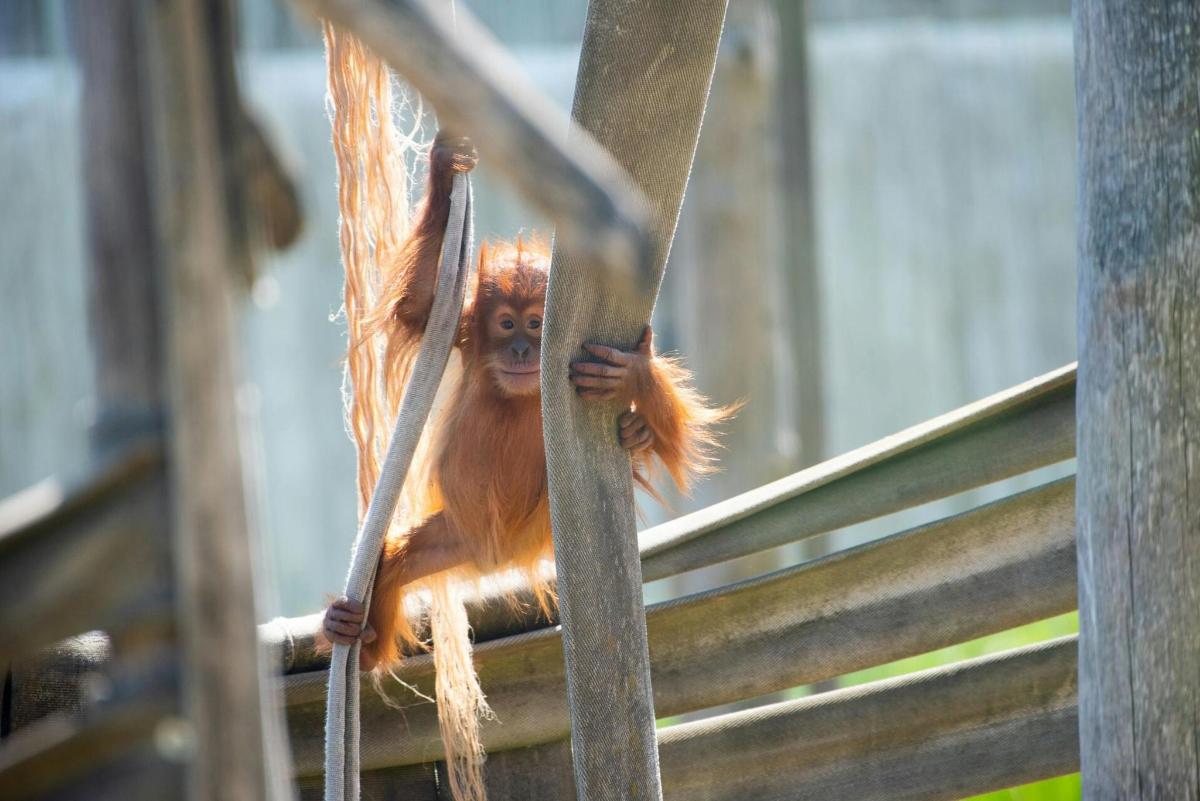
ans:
x=535 y=323
x=507 y=325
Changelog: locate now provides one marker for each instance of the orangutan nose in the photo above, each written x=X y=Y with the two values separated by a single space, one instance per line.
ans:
x=521 y=349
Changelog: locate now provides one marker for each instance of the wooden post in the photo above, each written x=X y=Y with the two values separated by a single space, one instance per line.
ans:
x=729 y=266
x=160 y=121
x=188 y=62
x=1139 y=381
x=801 y=289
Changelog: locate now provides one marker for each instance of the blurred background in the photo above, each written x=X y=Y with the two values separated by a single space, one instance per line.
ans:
x=879 y=228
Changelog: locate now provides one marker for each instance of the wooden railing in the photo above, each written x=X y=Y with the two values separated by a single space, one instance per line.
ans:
x=994 y=567
x=118 y=550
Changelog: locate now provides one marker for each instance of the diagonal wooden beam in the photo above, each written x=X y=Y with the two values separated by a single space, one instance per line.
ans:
x=477 y=88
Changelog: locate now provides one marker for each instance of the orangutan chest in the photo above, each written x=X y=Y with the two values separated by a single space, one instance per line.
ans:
x=494 y=468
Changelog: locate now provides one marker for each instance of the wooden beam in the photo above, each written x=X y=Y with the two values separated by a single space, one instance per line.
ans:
x=477 y=88
x=58 y=750
x=802 y=295
x=74 y=560
x=996 y=567
x=1014 y=431
x=947 y=733
x=1139 y=377
x=195 y=118
x=126 y=332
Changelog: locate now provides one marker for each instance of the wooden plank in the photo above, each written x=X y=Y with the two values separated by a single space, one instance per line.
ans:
x=53 y=503
x=1027 y=426
x=477 y=88
x=76 y=560
x=107 y=755
x=802 y=290
x=194 y=114
x=1139 y=377
x=122 y=294
x=945 y=733
x=990 y=569
x=59 y=749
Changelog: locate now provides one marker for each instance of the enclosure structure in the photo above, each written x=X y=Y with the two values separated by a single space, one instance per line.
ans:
x=151 y=549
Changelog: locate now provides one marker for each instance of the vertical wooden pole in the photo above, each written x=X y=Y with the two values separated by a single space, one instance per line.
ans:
x=122 y=289
x=160 y=117
x=801 y=295
x=729 y=266
x=1138 y=490
x=126 y=335
x=195 y=113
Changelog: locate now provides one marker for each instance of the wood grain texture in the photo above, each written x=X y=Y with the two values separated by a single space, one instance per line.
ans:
x=941 y=734
x=477 y=88
x=944 y=733
x=92 y=559
x=126 y=332
x=200 y=240
x=1030 y=425
x=1013 y=431
x=1003 y=565
x=1139 y=377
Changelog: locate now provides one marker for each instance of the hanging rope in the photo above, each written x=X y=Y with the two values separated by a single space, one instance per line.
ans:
x=373 y=200
x=342 y=723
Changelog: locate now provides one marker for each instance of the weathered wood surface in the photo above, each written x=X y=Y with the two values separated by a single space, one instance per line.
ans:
x=196 y=120
x=1011 y=432
x=1139 y=378
x=153 y=550
x=945 y=733
x=877 y=478
x=97 y=554
x=990 y=569
x=126 y=334
x=477 y=88
x=801 y=288
x=726 y=264
x=57 y=750
x=73 y=560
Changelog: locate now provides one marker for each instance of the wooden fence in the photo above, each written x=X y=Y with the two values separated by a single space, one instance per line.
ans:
x=1000 y=565
x=151 y=547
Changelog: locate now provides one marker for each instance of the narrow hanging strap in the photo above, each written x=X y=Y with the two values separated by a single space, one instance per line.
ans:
x=341 y=712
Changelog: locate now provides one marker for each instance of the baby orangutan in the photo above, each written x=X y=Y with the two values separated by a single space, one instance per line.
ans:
x=490 y=510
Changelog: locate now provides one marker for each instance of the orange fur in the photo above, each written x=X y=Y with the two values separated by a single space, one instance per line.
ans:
x=475 y=499
x=488 y=476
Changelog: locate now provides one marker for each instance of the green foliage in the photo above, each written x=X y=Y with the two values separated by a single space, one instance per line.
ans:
x=1064 y=788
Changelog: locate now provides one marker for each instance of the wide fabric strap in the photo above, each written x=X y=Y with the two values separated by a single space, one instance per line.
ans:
x=454 y=273
x=643 y=83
